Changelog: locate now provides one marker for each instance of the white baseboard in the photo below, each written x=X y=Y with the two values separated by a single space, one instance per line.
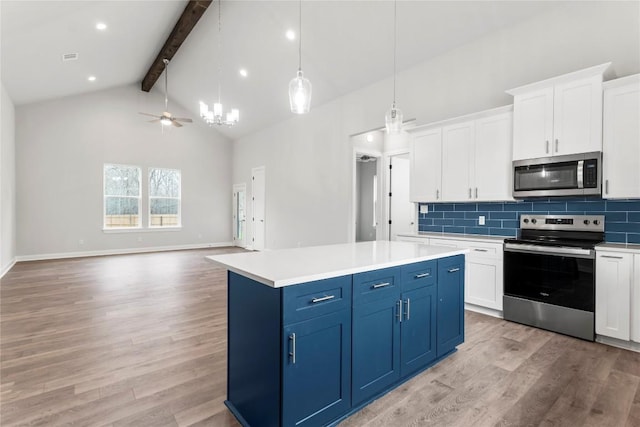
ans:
x=614 y=342
x=41 y=257
x=483 y=310
x=9 y=266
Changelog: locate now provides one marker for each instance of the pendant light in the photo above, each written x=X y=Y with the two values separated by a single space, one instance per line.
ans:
x=299 y=86
x=393 y=118
x=216 y=116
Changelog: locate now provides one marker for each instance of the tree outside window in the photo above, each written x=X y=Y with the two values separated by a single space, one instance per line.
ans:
x=121 y=196
x=164 y=198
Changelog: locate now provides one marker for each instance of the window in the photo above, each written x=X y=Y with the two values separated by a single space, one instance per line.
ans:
x=121 y=196
x=164 y=198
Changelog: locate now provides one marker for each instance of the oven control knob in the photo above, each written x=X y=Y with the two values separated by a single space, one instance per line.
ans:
x=533 y=221
x=596 y=222
x=526 y=220
x=586 y=222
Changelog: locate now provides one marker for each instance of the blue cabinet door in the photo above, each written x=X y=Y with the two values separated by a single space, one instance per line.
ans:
x=418 y=331
x=316 y=370
x=376 y=347
x=450 y=317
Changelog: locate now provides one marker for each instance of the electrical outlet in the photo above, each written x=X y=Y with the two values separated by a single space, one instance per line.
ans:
x=481 y=220
x=424 y=209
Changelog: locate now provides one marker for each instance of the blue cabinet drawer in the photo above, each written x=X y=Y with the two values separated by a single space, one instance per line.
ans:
x=419 y=274
x=313 y=299
x=377 y=284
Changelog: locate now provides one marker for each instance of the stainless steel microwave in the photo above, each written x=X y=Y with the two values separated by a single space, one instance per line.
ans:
x=570 y=175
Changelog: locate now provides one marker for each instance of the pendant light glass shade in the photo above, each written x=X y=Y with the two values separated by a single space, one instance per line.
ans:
x=300 y=94
x=393 y=120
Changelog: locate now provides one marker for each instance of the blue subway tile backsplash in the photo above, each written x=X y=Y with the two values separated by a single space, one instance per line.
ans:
x=622 y=217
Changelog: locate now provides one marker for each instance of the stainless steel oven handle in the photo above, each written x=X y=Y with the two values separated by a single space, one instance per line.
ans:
x=535 y=249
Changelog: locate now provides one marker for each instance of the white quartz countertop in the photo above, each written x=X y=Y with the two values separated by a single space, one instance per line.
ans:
x=286 y=267
x=619 y=247
x=456 y=236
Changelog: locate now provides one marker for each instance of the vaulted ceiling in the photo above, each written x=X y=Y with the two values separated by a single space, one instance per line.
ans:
x=346 y=45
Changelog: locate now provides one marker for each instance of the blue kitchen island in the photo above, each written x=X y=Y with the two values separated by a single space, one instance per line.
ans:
x=315 y=334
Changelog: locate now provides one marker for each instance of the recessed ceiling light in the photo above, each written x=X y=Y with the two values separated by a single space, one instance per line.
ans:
x=101 y=26
x=291 y=35
x=370 y=138
x=243 y=72
x=91 y=78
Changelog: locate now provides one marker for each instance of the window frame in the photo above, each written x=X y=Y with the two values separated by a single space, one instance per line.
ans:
x=149 y=197
x=105 y=196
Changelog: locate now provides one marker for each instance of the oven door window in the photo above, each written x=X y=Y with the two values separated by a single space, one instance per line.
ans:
x=558 y=280
x=555 y=176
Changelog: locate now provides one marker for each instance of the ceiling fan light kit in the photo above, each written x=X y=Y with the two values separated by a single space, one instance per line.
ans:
x=217 y=116
x=299 y=86
x=393 y=118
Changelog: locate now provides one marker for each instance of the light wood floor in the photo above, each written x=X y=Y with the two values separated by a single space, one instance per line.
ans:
x=140 y=340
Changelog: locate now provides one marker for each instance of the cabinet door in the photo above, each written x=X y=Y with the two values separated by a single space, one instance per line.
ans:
x=450 y=311
x=375 y=348
x=483 y=285
x=418 y=330
x=577 y=116
x=621 y=158
x=426 y=166
x=533 y=124
x=635 y=300
x=316 y=370
x=458 y=162
x=613 y=287
x=493 y=154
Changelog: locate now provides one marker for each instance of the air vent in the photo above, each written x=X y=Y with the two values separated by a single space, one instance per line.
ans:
x=69 y=57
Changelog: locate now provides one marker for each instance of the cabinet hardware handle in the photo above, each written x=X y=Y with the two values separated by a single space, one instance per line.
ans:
x=421 y=275
x=547 y=141
x=556 y=145
x=324 y=298
x=437 y=194
x=606 y=186
x=399 y=313
x=407 y=313
x=610 y=256
x=292 y=353
x=380 y=285
x=453 y=270
x=469 y=192
x=476 y=192
x=481 y=250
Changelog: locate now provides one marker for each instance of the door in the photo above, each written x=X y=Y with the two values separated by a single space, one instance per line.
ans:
x=426 y=166
x=367 y=191
x=458 y=161
x=401 y=210
x=620 y=143
x=450 y=315
x=418 y=330
x=577 y=116
x=316 y=386
x=239 y=215
x=613 y=289
x=493 y=154
x=533 y=124
x=258 y=208
x=482 y=286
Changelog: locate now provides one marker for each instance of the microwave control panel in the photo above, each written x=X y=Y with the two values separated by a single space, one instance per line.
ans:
x=590 y=177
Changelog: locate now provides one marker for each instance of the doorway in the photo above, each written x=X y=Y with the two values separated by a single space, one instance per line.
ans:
x=258 y=208
x=239 y=215
x=367 y=193
x=401 y=210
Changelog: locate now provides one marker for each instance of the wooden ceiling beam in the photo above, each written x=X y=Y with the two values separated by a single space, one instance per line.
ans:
x=189 y=18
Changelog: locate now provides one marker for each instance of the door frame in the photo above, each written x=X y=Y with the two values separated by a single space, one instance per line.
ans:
x=235 y=190
x=386 y=230
x=354 y=191
x=253 y=223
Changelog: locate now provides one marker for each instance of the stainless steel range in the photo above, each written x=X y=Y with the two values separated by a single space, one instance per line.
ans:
x=549 y=273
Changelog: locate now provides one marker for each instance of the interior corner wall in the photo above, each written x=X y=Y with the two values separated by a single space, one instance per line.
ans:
x=7 y=183
x=308 y=159
x=61 y=147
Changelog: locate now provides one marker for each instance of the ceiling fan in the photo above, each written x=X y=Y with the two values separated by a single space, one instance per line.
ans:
x=166 y=118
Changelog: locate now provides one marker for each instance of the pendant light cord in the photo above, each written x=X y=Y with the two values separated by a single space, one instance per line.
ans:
x=219 y=49
x=395 y=36
x=300 y=36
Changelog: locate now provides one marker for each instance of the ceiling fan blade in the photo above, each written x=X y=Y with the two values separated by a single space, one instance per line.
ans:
x=151 y=115
x=183 y=119
x=176 y=124
x=154 y=121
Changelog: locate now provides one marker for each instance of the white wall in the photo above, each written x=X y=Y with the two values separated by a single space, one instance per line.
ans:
x=62 y=146
x=309 y=159
x=7 y=183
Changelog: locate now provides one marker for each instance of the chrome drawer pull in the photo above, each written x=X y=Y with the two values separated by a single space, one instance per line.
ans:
x=324 y=298
x=610 y=256
x=481 y=250
x=420 y=276
x=292 y=353
x=453 y=270
x=380 y=285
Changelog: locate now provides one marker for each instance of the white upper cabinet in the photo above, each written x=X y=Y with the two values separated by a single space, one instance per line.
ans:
x=458 y=151
x=493 y=171
x=621 y=139
x=426 y=166
x=562 y=115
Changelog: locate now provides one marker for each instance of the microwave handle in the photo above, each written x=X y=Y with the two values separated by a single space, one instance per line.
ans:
x=580 y=173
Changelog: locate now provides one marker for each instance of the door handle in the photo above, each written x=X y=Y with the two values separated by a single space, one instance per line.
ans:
x=381 y=285
x=481 y=250
x=292 y=353
x=421 y=275
x=399 y=312
x=547 y=150
x=407 y=312
x=556 y=145
x=610 y=256
x=469 y=192
x=606 y=186
x=476 y=192
x=437 y=194
x=453 y=270
x=324 y=298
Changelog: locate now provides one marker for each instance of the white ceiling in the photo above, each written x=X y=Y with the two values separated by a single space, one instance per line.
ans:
x=346 y=45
